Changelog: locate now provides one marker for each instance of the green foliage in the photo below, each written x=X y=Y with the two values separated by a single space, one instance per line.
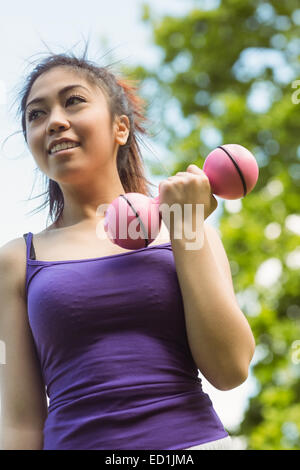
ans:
x=206 y=68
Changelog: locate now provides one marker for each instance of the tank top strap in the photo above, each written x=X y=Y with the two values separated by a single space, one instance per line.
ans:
x=30 y=252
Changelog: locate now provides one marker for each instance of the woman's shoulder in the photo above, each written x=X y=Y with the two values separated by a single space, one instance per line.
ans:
x=14 y=250
x=13 y=260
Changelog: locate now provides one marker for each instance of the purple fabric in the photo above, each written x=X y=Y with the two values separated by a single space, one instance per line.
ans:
x=111 y=339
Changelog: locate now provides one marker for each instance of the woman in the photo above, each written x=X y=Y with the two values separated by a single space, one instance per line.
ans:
x=116 y=336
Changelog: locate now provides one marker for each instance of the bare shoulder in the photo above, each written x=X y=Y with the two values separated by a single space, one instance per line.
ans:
x=11 y=251
x=13 y=261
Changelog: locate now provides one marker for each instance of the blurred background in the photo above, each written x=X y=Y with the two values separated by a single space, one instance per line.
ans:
x=212 y=72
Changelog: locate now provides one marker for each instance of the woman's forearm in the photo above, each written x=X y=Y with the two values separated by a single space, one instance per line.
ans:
x=220 y=338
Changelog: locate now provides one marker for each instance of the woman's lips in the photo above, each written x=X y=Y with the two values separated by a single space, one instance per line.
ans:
x=64 y=150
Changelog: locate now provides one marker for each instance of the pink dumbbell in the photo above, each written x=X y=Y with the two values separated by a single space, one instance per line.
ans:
x=133 y=220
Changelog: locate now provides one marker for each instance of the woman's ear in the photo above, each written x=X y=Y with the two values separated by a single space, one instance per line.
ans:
x=122 y=129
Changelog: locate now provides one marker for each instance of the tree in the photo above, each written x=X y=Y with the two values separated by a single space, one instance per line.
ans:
x=228 y=73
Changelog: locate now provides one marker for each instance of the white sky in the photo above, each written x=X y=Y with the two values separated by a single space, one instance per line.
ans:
x=23 y=27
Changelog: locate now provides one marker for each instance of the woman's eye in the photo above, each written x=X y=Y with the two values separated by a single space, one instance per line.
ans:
x=75 y=97
x=31 y=115
x=33 y=112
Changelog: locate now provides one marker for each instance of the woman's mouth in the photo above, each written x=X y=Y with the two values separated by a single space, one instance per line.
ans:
x=66 y=150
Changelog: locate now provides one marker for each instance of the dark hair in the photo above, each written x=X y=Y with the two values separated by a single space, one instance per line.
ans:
x=122 y=99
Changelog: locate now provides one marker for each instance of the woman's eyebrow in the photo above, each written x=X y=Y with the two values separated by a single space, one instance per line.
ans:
x=63 y=90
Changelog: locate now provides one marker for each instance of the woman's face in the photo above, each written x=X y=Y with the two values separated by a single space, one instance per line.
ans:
x=83 y=118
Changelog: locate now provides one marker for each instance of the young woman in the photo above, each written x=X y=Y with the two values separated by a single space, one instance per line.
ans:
x=114 y=337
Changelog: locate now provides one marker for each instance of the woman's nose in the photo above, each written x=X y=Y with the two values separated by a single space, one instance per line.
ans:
x=57 y=122
x=56 y=128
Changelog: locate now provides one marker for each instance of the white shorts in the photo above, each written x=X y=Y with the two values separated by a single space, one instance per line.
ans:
x=220 y=444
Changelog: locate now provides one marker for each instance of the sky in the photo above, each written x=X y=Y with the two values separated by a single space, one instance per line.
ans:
x=25 y=28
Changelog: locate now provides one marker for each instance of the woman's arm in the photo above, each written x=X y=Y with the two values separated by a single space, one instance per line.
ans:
x=220 y=338
x=22 y=391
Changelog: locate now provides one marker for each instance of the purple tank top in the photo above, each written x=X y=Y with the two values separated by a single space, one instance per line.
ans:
x=111 y=340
